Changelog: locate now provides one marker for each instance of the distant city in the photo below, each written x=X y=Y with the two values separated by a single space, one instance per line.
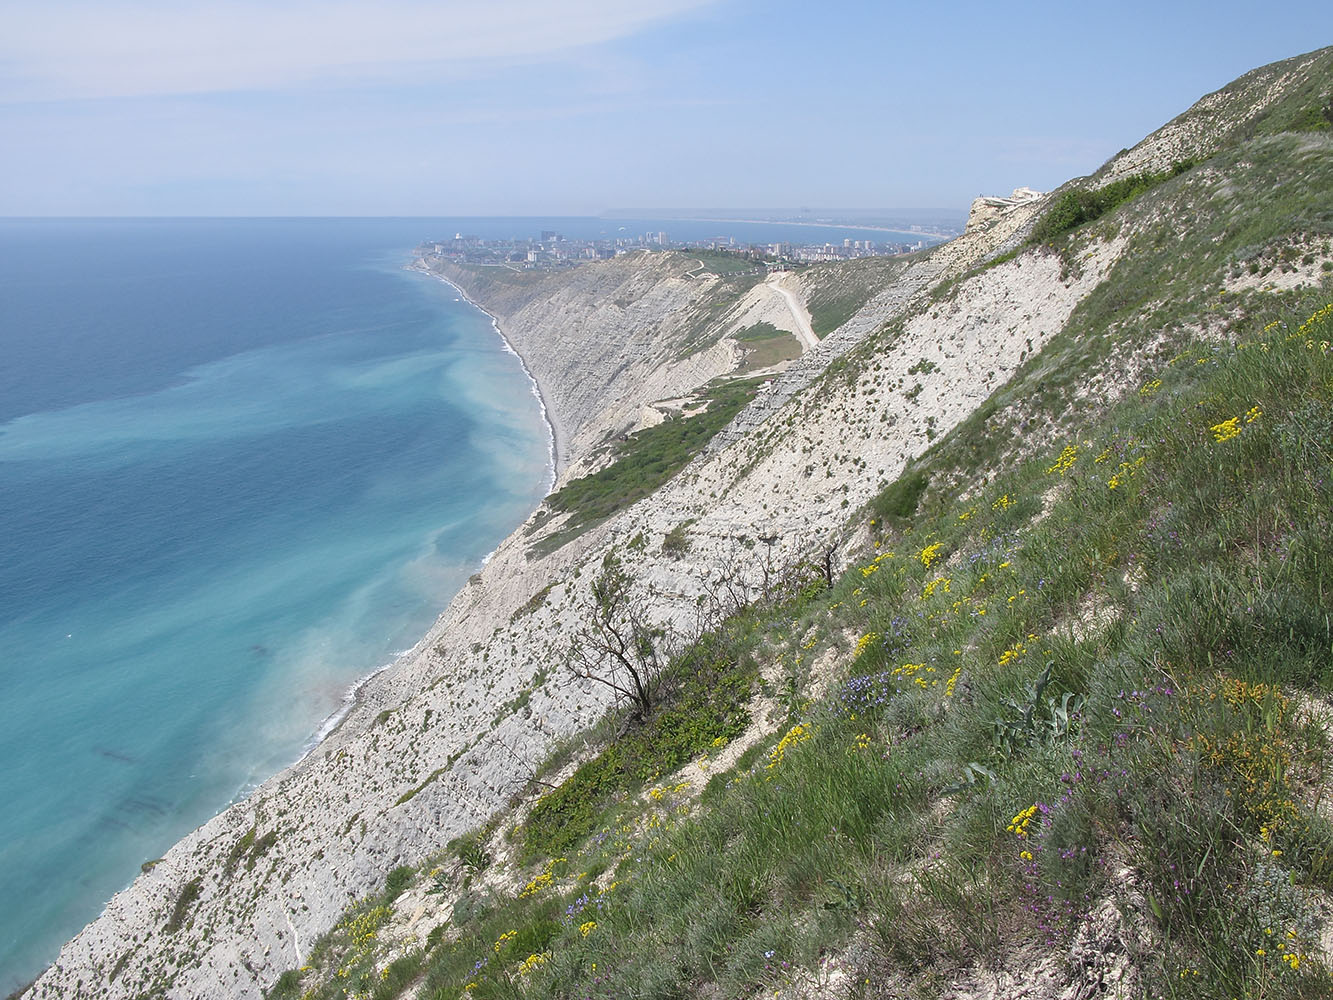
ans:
x=550 y=250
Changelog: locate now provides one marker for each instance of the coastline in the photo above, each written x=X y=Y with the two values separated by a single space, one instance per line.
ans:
x=557 y=432
x=361 y=691
x=357 y=692
x=388 y=828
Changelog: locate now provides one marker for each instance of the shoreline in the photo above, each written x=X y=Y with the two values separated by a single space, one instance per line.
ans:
x=356 y=693
x=556 y=464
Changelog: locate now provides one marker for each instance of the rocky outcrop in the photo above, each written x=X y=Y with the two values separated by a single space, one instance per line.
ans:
x=987 y=210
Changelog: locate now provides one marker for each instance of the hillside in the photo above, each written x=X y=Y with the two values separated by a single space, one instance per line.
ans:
x=984 y=653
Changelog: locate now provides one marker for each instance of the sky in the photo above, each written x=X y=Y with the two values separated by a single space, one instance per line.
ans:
x=533 y=107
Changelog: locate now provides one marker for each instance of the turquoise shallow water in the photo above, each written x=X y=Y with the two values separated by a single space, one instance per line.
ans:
x=242 y=464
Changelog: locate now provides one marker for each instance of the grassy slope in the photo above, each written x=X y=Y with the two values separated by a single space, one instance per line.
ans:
x=1162 y=562
x=1176 y=587
x=643 y=462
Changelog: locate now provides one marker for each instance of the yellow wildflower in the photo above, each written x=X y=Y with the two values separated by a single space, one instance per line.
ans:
x=1226 y=430
x=863 y=643
x=1066 y=460
x=1019 y=824
x=796 y=734
x=530 y=963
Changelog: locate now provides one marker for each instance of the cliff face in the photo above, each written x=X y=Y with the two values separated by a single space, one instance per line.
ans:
x=604 y=340
x=442 y=739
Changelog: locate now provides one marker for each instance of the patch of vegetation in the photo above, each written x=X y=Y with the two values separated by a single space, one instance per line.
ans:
x=181 y=910
x=760 y=331
x=923 y=367
x=702 y=704
x=836 y=292
x=533 y=603
x=471 y=849
x=260 y=848
x=1077 y=205
x=239 y=850
x=514 y=704
x=721 y=263
x=397 y=882
x=643 y=462
x=765 y=345
x=901 y=497
x=676 y=542
x=416 y=790
x=829 y=311
x=1313 y=118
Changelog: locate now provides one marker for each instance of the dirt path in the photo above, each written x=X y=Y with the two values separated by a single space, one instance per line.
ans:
x=804 y=332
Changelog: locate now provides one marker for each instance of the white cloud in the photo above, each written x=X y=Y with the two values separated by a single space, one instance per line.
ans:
x=67 y=49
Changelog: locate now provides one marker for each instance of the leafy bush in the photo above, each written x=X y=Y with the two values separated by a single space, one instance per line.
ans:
x=1315 y=118
x=676 y=542
x=706 y=706
x=181 y=910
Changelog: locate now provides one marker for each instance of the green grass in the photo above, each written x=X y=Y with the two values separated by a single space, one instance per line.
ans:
x=835 y=292
x=760 y=332
x=643 y=462
x=180 y=911
x=901 y=497
x=765 y=345
x=704 y=704
x=717 y=262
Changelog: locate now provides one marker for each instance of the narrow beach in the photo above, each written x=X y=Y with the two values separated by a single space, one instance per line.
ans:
x=557 y=432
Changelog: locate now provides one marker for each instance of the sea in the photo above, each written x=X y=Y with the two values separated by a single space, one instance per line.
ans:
x=244 y=463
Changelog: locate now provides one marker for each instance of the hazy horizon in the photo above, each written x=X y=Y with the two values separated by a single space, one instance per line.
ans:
x=404 y=108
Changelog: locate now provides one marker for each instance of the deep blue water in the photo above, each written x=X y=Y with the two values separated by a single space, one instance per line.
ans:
x=242 y=464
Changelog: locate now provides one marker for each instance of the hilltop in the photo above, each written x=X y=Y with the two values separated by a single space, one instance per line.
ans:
x=981 y=645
